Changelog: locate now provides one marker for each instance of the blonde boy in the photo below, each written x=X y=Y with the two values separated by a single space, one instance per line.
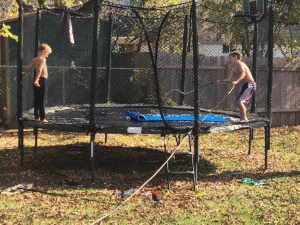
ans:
x=40 y=84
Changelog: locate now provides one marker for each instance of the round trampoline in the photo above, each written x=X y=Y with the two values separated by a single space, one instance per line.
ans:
x=106 y=81
x=112 y=118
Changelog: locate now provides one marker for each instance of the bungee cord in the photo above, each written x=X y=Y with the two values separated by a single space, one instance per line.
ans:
x=162 y=166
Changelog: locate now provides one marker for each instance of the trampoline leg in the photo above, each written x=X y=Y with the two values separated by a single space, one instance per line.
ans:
x=251 y=135
x=194 y=164
x=35 y=132
x=167 y=165
x=21 y=142
x=195 y=175
x=267 y=143
x=92 y=156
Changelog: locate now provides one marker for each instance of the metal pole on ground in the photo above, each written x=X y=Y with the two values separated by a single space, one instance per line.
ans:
x=196 y=85
x=19 y=88
x=93 y=84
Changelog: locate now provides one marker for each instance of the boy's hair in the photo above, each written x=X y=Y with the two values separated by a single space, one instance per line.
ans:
x=237 y=53
x=44 y=47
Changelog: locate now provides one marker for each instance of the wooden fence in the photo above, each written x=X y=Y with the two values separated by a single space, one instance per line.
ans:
x=286 y=83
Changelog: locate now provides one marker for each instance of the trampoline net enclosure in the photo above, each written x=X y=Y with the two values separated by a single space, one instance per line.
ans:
x=125 y=79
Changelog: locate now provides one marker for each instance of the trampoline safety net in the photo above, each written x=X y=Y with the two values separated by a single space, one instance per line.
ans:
x=145 y=65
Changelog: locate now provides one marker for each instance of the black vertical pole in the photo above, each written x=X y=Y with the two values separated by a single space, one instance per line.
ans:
x=37 y=31
x=196 y=84
x=254 y=60
x=108 y=60
x=270 y=84
x=37 y=43
x=185 y=33
x=19 y=90
x=93 y=83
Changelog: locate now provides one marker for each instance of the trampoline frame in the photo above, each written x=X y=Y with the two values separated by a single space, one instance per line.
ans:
x=92 y=128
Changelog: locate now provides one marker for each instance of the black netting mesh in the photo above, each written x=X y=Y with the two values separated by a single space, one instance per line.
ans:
x=125 y=73
x=218 y=37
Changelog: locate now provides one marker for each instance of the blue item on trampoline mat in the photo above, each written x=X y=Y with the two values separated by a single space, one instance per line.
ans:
x=157 y=118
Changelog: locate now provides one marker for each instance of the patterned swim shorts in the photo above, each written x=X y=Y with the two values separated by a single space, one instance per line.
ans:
x=247 y=91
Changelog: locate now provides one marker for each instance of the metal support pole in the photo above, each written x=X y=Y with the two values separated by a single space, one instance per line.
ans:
x=270 y=84
x=166 y=153
x=267 y=143
x=254 y=60
x=19 y=83
x=92 y=141
x=196 y=84
x=93 y=82
x=108 y=61
x=37 y=31
x=251 y=136
x=35 y=132
x=184 y=48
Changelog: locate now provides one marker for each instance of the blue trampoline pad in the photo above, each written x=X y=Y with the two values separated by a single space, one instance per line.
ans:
x=176 y=118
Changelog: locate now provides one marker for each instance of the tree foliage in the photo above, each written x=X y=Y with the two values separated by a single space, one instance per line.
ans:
x=286 y=21
x=4 y=31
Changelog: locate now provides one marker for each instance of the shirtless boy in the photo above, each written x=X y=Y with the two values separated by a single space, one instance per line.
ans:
x=241 y=73
x=39 y=85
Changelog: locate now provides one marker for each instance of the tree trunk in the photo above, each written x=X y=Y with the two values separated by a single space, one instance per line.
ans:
x=5 y=108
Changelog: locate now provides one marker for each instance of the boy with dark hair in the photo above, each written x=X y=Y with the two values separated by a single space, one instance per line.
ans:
x=241 y=73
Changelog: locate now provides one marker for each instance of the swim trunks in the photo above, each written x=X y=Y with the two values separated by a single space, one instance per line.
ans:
x=247 y=91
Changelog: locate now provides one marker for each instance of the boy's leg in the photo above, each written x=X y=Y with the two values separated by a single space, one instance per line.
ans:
x=37 y=97
x=243 y=111
x=42 y=99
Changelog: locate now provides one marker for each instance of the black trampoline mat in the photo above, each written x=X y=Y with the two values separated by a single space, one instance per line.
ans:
x=110 y=118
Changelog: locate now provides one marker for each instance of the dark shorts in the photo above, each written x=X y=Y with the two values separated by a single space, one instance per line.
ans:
x=247 y=91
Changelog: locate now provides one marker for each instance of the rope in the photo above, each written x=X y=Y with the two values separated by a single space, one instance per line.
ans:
x=185 y=93
x=97 y=221
x=219 y=103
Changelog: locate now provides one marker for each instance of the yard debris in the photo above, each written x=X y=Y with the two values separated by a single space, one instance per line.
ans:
x=69 y=182
x=200 y=193
x=155 y=196
x=126 y=194
x=254 y=182
x=166 y=192
x=17 y=189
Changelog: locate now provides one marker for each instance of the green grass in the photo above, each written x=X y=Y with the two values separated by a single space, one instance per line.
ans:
x=127 y=161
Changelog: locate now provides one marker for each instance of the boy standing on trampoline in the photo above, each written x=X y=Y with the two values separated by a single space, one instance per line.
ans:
x=39 y=85
x=241 y=73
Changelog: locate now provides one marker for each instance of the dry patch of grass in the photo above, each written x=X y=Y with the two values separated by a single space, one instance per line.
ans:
x=127 y=161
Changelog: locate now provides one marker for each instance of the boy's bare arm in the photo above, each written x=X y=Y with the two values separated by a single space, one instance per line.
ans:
x=29 y=68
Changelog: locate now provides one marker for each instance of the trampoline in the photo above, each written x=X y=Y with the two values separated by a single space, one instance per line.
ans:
x=101 y=85
x=113 y=118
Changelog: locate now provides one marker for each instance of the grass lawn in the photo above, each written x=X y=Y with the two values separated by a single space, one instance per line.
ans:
x=127 y=161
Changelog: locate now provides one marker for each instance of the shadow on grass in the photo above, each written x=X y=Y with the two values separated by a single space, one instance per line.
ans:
x=115 y=167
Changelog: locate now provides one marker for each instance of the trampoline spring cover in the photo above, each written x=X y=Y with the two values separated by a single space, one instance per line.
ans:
x=157 y=118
